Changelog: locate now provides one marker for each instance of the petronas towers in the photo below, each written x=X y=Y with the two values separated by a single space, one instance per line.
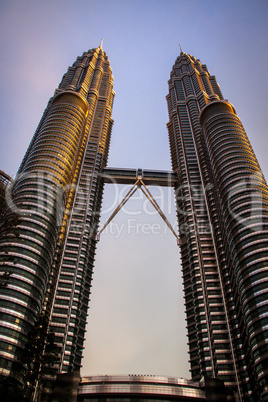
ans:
x=53 y=207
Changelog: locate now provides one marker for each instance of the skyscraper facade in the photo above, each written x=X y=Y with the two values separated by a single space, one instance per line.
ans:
x=222 y=207
x=57 y=196
x=51 y=214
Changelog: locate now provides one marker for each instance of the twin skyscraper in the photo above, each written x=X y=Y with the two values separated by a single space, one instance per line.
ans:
x=51 y=212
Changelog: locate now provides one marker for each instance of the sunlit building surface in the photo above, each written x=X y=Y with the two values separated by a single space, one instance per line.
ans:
x=57 y=194
x=48 y=246
x=222 y=205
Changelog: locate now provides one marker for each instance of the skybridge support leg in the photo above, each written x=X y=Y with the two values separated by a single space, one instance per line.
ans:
x=139 y=184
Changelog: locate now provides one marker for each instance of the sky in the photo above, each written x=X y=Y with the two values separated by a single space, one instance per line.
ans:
x=136 y=322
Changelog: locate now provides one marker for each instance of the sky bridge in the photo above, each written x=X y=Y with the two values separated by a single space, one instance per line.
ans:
x=149 y=177
x=139 y=179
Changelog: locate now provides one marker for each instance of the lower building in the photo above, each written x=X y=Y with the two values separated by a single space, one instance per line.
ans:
x=138 y=388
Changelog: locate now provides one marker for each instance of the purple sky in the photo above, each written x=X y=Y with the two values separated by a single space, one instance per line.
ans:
x=136 y=320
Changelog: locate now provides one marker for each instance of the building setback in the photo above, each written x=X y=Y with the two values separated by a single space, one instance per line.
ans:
x=222 y=207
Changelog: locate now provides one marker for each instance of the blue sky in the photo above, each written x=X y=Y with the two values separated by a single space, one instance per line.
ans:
x=136 y=320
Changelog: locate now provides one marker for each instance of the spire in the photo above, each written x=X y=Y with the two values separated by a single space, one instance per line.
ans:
x=101 y=44
x=180 y=48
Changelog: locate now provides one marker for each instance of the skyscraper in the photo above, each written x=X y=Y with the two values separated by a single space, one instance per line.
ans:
x=52 y=212
x=57 y=195
x=222 y=206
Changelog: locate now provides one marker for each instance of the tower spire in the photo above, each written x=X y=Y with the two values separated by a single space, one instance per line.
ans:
x=180 y=48
x=101 y=44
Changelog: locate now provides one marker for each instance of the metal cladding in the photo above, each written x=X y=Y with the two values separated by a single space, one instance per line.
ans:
x=57 y=193
x=222 y=206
